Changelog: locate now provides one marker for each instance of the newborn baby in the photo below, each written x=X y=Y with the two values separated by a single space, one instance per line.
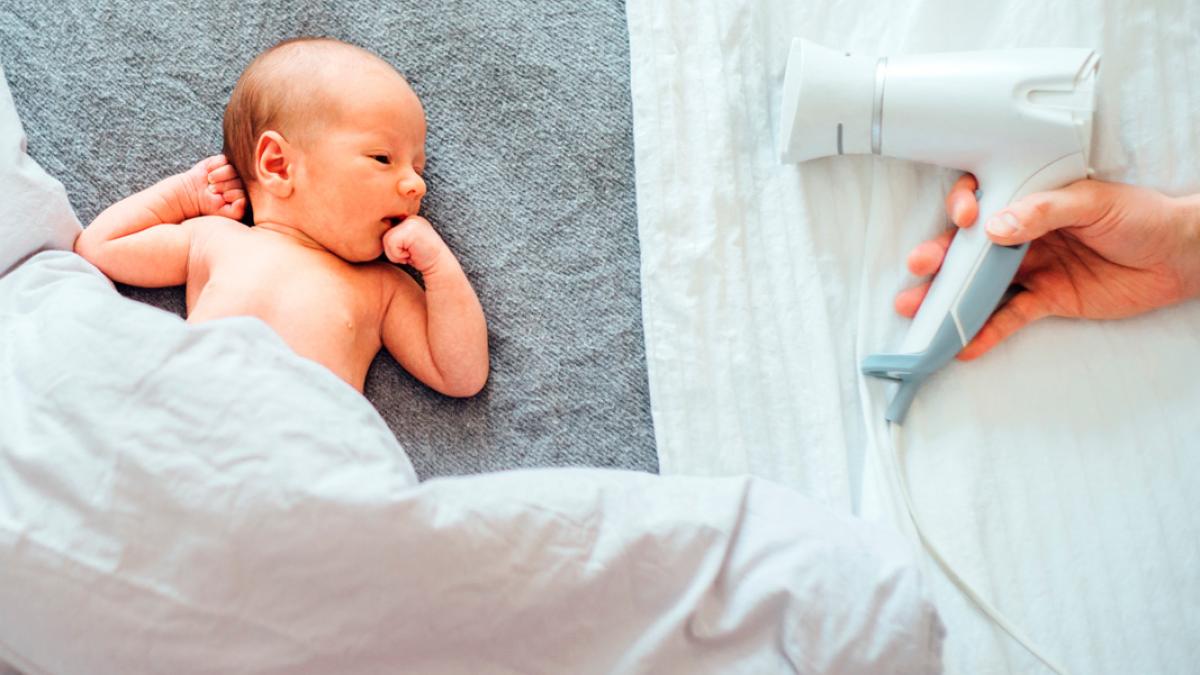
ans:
x=329 y=140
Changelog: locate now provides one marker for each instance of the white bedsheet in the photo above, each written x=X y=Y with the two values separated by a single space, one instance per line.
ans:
x=1061 y=473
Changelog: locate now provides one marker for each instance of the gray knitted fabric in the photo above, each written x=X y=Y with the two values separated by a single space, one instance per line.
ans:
x=530 y=179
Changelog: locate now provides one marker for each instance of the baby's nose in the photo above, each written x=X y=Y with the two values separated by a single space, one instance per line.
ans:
x=412 y=186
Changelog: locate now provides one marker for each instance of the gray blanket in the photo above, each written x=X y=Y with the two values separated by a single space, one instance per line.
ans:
x=530 y=182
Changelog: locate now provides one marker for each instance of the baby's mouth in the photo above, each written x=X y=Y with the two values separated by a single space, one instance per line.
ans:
x=395 y=220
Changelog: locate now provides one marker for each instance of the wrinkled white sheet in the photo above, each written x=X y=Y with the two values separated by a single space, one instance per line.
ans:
x=200 y=499
x=33 y=204
x=1060 y=472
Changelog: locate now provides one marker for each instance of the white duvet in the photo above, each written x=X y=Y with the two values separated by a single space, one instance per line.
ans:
x=1060 y=473
x=181 y=498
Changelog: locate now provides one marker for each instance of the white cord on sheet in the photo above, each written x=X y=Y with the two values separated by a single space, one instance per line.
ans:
x=982 y=604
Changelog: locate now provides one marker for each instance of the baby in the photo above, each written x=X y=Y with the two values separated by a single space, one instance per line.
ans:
x=329 y=140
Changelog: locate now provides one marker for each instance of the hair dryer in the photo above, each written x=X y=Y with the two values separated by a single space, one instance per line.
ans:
x=1019 y=119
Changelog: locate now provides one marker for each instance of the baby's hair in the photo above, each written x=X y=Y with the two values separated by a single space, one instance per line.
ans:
x=280 y=90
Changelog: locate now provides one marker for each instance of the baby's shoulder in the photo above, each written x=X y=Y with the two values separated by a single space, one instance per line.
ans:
x=382 y=273
x=397 y=286
x=219 y=223
x=207 y=229
x=215 y=239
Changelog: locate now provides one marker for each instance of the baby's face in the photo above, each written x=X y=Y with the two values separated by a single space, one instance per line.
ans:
x=360 y=175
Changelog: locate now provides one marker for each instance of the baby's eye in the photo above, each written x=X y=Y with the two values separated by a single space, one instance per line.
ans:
x=382 y=159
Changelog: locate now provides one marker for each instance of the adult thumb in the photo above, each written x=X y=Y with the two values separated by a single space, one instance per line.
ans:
x=1028 y=218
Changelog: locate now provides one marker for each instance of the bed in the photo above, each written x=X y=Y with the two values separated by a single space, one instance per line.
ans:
x=1058 y=474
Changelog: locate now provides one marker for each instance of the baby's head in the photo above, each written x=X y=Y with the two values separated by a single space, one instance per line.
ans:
x=330 y=142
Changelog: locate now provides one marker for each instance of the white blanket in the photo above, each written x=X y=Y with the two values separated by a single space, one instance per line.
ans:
x=1060 y=472
x=181 y=498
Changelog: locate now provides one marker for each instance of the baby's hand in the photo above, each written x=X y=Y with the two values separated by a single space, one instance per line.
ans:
x=414 y=242
x=215 y=188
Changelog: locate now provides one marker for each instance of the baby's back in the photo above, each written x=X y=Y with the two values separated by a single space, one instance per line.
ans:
x=325 y=308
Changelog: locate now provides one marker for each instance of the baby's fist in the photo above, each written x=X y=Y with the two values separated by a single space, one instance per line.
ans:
x=414 y=242
x=218 y=189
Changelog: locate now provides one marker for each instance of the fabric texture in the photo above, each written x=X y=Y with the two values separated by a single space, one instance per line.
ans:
x=31 y=196
x=530 y=182
x=1057 y=473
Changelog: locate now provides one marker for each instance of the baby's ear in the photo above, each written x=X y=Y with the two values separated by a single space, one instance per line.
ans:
x=273 y=164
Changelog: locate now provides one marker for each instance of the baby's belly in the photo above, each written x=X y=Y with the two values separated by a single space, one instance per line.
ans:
x=335 y=338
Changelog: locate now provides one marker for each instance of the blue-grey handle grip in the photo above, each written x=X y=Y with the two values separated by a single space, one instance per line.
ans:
x=976 y=302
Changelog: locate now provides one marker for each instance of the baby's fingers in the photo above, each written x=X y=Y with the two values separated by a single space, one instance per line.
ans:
x=222 y=173
x=398 y=255
x=225 y=186
x=212 y=163
x=234 y=210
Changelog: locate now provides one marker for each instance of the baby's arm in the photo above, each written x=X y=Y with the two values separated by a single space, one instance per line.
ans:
x=144 y=240
x=438 y=335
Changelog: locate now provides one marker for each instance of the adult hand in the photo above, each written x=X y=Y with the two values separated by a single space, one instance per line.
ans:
x=1100 y=251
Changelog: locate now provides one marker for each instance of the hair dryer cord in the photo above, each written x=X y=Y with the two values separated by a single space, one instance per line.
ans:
x=966 y=588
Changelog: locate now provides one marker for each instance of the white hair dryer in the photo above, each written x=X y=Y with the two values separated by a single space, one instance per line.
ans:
x=1019 y=119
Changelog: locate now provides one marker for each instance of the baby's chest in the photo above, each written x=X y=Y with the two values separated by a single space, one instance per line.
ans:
x=298 y=291
x=338 y=300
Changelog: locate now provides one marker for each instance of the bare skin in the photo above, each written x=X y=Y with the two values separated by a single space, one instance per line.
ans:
x=325 y=210
x=1100 y=251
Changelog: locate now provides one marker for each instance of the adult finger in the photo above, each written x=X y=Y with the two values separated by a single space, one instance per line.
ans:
x=1081 y=203
x=961 y=203
x=926 y=258
x=909 y=300
x=1023 y=309
x=1037 y=257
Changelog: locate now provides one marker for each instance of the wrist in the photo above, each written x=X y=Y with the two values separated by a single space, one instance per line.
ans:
x=1184 y=218
x=176 y=199
x=442 y=266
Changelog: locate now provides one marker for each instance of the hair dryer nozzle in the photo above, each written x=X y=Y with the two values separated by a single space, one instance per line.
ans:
x=828 y=103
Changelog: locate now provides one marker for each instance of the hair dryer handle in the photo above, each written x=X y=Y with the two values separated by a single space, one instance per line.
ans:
x=973 y=279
